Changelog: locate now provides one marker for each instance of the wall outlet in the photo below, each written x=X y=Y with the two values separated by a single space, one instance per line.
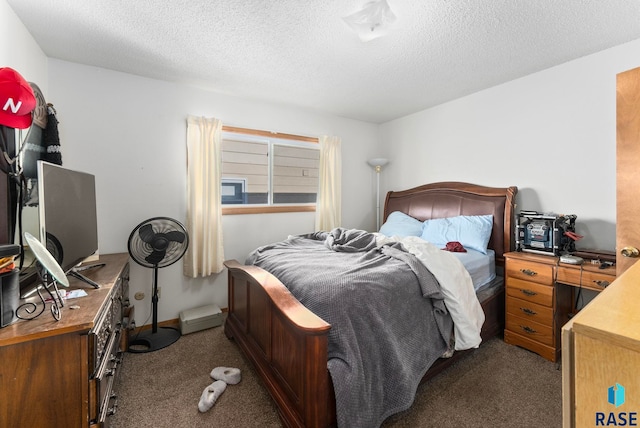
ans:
x=159 y=290
x=139 y=295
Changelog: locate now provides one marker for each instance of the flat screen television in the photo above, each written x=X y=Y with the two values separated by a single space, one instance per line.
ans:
x=67 y=215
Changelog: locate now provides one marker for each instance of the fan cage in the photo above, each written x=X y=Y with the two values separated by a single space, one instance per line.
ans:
x=139 y=249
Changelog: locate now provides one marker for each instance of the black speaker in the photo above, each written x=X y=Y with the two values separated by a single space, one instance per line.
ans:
x=8 y=187
x=9 y=297
x=9 y=284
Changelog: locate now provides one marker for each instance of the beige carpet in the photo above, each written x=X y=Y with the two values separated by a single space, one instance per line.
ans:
x=498 y=385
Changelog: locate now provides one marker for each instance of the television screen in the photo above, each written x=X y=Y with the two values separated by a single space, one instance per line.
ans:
x=67 y=214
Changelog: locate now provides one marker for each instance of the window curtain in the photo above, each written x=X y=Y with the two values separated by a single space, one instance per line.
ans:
x=204 y=215
x=329 y=203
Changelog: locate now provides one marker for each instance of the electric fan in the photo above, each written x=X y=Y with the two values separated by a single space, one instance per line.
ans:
x=157 y=243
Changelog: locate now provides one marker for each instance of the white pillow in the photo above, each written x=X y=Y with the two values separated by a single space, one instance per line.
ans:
x=401 y=225
x=473 y=232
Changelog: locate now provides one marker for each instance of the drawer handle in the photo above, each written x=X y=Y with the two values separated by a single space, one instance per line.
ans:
x=528 y=292
x=601 y=283
x=529 y=272
x=528 y=311
x=528 y=329
x=114 y=408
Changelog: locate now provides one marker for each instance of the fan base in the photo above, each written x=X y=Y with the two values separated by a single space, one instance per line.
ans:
x=147 y=341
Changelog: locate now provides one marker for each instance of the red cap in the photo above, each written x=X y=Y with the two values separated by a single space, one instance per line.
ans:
x=17 y=100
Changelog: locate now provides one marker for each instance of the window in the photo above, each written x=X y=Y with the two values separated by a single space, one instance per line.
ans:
x=234 y=191
x=264 y=170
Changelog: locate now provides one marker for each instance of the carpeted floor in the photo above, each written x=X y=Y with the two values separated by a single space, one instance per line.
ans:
x=498 y=385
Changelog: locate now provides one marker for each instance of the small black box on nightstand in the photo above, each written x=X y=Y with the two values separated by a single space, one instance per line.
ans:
x=545 y=233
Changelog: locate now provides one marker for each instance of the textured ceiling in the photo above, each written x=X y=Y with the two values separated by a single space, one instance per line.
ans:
x=300 y=52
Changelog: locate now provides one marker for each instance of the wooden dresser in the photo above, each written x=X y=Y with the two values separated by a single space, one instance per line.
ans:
x=61 y=373
x=539 y=298
x=601 y=357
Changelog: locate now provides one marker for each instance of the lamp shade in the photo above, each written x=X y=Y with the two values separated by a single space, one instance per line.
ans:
x=378 y=162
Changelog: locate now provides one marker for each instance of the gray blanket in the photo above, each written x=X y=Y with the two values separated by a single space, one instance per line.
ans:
x=388 y=320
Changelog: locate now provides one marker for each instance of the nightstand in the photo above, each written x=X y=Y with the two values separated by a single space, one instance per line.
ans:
x=536 y=308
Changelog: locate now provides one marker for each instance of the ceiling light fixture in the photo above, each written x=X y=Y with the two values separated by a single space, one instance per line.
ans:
x=373 y=21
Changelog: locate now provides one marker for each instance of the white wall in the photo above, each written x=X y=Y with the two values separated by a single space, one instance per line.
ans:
x=131 y=133
x=552 y=134
x=19 y=50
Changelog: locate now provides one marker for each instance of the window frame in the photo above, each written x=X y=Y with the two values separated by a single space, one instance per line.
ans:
x=266 y=209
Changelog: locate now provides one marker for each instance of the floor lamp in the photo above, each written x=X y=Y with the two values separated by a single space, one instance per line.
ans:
x=378 y=163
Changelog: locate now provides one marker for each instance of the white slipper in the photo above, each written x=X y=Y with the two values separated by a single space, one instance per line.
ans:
x=229 y=375
x=210 y=395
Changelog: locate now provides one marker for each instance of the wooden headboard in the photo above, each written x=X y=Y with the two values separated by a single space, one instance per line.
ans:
x=449 y=199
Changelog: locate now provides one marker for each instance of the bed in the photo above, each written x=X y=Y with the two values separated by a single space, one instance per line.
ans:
x=288 y=344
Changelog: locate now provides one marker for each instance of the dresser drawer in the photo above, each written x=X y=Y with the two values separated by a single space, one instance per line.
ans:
x=530 y=291
x=528 y=310
x=548 y=352
x=528 y=271
x=531 y=329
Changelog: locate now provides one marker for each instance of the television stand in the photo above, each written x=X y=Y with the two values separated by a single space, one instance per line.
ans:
x=75 y=272
x=65 y=370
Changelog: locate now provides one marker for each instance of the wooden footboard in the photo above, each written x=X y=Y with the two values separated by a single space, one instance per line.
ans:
x=285 y=341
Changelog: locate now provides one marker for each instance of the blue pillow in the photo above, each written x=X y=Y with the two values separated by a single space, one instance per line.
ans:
x=401 y=225
x=473 y=232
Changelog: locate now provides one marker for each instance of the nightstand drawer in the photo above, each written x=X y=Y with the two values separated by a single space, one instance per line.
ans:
x=532 y=311
x=534 y=331
x=585 y=278
x=528 y=271
x=530 y=291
